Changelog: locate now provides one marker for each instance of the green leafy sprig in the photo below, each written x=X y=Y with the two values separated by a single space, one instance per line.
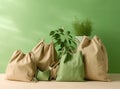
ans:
x=63 y=41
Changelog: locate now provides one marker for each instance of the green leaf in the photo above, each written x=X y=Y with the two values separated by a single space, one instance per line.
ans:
x=68 y=32
x=70 y=41
x=59 y=49
x=65 y=41
x=61 y=30
x=62 y=44
x=59 y=41
x=51 y=33
x=70 y=36
x=56 y=36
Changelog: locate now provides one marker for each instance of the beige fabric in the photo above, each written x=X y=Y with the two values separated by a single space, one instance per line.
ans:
x=45 y=55
x=21 y=67
x=54 y=70
x=95 y=59
x=115 y=84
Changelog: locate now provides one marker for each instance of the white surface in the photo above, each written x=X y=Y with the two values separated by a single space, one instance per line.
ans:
x=114 y=84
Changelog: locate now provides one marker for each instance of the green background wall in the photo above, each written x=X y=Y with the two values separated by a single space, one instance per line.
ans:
x=24 y=22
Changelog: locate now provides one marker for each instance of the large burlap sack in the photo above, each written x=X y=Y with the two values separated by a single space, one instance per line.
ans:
x=95 y=59
x=45 y=55
x=21 y=67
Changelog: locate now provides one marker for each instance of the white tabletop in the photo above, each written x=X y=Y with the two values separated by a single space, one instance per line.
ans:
x=114 y=84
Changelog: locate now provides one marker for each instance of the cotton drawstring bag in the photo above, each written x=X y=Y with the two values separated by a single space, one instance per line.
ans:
x=71 y=67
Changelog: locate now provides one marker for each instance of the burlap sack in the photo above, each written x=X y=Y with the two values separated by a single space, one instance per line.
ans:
x=45 y=55
x=53 y=71
x=95 y=59
x=21 y=67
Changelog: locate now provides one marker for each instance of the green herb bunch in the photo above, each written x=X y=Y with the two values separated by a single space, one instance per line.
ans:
x=82 y=28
